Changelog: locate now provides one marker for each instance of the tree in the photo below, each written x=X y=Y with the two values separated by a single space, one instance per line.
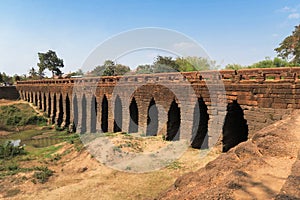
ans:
x=289 y=48
x=51 y=62
x=109 y=68
x=268 y=63
x=79 y=72
x=193 y=63
x=165 y=64
x=234 y=66
x=32 y=73
x=144 y=69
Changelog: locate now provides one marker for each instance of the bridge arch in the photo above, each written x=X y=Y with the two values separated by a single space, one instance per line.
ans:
x=173 y=123
x=134 y=117
x=54 y=109
x=75 y=113
x=68 y=111
x=235 y=128
x=83 y=115
x=104 y=114
x=118 y=118
x=60 y=111
x=200 y=125
x=94 y=114
x=152 y=119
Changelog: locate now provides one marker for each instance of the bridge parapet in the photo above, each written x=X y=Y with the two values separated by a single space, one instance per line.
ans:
x=283 y=74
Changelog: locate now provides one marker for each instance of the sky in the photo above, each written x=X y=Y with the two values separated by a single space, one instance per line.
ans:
x=230 y=31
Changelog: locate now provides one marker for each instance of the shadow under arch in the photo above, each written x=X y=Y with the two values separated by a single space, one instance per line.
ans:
x=200 y=125
x=40 y=101
x=83 y=115
x=49 y=105
x=94 y=114
x=68 y=111
x=104 y=114
x=173 y=124
x=54 y=110
x=60 y=111
x=152 y=119
x=44 y=103
x=75 y=113
x=118 y=115
x=235 y=128
x=134 y=117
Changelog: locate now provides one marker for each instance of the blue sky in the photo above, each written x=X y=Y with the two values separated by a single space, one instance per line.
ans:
x=230 y=31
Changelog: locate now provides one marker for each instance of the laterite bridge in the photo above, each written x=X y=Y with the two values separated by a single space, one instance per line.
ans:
x=167 y=103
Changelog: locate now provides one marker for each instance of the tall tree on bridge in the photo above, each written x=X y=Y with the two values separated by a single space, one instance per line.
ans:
x=290 y=47
x=51 y=62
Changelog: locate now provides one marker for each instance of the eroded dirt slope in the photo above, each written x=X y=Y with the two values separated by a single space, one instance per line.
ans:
x=265 y=167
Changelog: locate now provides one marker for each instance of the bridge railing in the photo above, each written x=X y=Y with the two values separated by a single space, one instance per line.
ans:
x=259 y=75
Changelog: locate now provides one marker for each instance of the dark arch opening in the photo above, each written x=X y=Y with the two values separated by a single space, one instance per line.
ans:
x=60 y=111
x=235 y=128
x=49 y=105
x=104 y=115
x=40 y=101
x=134 y=117
x=173 y=123
x=93 y=114
x=44 y=103
x=31 y=97
x=75 y=113
x=68 y=111
x=152 y=119
x=35 y=99
x=54 y=109
x=118 y=115
x=200 y=125
x=83 y=118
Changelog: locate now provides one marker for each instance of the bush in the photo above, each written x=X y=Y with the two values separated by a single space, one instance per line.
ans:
x=36 y=120
x=42 y=175
x=8 y=150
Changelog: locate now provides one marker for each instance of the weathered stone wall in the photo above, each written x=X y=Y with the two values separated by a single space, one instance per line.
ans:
x=9 y=92
x=266 y=95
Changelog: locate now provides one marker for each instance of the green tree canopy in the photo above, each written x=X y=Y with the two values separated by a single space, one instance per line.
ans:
x=109 y=68
x=289 y=48
x=33 y=73
x=165 y=64
x=145 y=69
x=194 y=63
x=268 y=63
x=50 y=61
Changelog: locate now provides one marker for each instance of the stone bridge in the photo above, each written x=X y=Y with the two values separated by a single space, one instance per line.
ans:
x=176 y=105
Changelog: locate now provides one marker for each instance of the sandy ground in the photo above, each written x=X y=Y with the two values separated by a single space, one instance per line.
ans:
x=257 y=169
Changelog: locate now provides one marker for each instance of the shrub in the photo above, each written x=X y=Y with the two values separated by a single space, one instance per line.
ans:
x=36 y=120
x=8 y=150
x=42 y=174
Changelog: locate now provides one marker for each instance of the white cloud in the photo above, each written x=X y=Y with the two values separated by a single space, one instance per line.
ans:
x=288 y=9
x=294 y=16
